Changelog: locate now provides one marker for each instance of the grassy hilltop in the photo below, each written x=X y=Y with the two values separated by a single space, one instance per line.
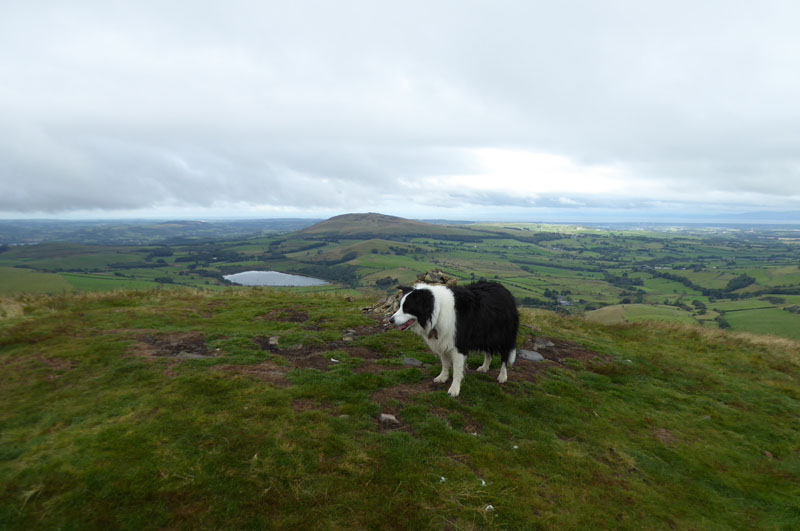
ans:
x=202 y=409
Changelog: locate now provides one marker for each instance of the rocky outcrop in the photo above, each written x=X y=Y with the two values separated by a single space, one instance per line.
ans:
x=390 y=304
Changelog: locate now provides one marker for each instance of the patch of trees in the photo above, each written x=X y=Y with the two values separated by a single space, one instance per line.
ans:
x=523 y=263
x=336 y=261
x=536 y=238
x=387 y=282
x=161 y=252
x=723 y=324
x=622 y=282
x=135 y=265
x=727 y=293
x=742 y=281
x=341 y=274
x=533 y=302
x=635 y=296
x=206 y=256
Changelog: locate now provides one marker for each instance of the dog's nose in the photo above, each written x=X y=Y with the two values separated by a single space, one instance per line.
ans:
x=391 y=319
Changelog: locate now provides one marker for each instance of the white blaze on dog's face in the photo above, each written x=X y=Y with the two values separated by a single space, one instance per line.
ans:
x=401 y=319
x=416 y=307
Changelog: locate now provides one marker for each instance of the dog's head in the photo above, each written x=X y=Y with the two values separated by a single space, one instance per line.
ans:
x=416 y=308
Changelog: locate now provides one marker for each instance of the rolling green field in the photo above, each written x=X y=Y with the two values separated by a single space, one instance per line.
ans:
x=634 y=313
x=15 y=281
x=170 y=409
x=684 y=275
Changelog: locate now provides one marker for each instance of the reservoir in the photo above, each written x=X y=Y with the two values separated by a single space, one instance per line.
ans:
x=272 y=278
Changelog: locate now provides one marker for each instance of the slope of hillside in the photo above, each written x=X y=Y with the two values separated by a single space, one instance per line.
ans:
x=380 y=225
x=259 y=408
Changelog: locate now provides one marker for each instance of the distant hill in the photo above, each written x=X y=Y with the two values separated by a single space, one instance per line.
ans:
x=139 y=232
x=373 y=225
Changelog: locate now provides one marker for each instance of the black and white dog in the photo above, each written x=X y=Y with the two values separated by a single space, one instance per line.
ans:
x=454 y=321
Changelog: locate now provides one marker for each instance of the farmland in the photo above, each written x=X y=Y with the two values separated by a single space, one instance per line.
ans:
x=731 y=277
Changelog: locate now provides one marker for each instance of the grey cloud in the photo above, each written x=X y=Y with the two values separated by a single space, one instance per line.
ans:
x=338 y=104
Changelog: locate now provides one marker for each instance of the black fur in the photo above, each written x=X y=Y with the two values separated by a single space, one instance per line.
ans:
x=486 y=318
x=419 y=303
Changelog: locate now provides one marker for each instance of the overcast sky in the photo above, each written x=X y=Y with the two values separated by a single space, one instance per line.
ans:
x=528 y=110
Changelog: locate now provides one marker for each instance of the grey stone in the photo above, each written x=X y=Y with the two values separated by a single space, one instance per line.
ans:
x=386 y=418
x=413 y=362
x=530 y=355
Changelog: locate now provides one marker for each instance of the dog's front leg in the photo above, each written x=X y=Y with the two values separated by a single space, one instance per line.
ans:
x=445 y=374
x=459 y=360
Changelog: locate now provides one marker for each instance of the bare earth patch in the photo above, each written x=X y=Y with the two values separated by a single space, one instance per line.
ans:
x=665 y=436
x=319 y=357
x=403 y=393
x=306 y=404
x=59 y=366
x=284 y=316
x=266 y=371
x=555 y=352
x=180 y=345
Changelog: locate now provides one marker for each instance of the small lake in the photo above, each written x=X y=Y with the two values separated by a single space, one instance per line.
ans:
x=272 y=278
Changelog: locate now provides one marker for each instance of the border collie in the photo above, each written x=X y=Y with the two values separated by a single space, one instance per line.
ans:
x=454 y=321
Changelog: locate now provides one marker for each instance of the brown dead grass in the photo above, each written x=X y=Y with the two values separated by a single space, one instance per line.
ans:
x=267 y=371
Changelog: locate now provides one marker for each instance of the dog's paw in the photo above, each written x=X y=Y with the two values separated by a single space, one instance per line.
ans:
x=503 y=376
x=442 y=378
x=454 y=390
x=482 y=368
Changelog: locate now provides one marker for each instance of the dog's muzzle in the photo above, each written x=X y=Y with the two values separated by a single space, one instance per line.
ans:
x=404 y=325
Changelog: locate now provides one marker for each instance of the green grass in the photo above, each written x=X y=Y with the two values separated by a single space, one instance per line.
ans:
x=634 y=313
x=765 y=321
x=15 y=280
x=104 y=282
x=667 y=426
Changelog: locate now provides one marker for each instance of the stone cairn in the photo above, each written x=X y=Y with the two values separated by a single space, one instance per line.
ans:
x=389 y=305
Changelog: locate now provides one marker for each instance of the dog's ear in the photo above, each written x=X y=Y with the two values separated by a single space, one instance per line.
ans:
x=405 y=289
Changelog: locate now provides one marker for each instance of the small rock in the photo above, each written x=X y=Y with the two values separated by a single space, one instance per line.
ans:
x=349 y=299
x=273 y=341
x=530 y=355
x=489 y=507
x=442 y=479
x=412 y=361
x=386 y=418
x=348 y=338
x=539 y=344
x=768 y=454
x=334 y=360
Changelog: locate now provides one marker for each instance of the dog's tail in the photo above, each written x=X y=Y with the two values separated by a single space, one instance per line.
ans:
x=512 y=357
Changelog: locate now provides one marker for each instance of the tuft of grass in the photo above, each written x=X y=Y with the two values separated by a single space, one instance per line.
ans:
x=108 y=421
